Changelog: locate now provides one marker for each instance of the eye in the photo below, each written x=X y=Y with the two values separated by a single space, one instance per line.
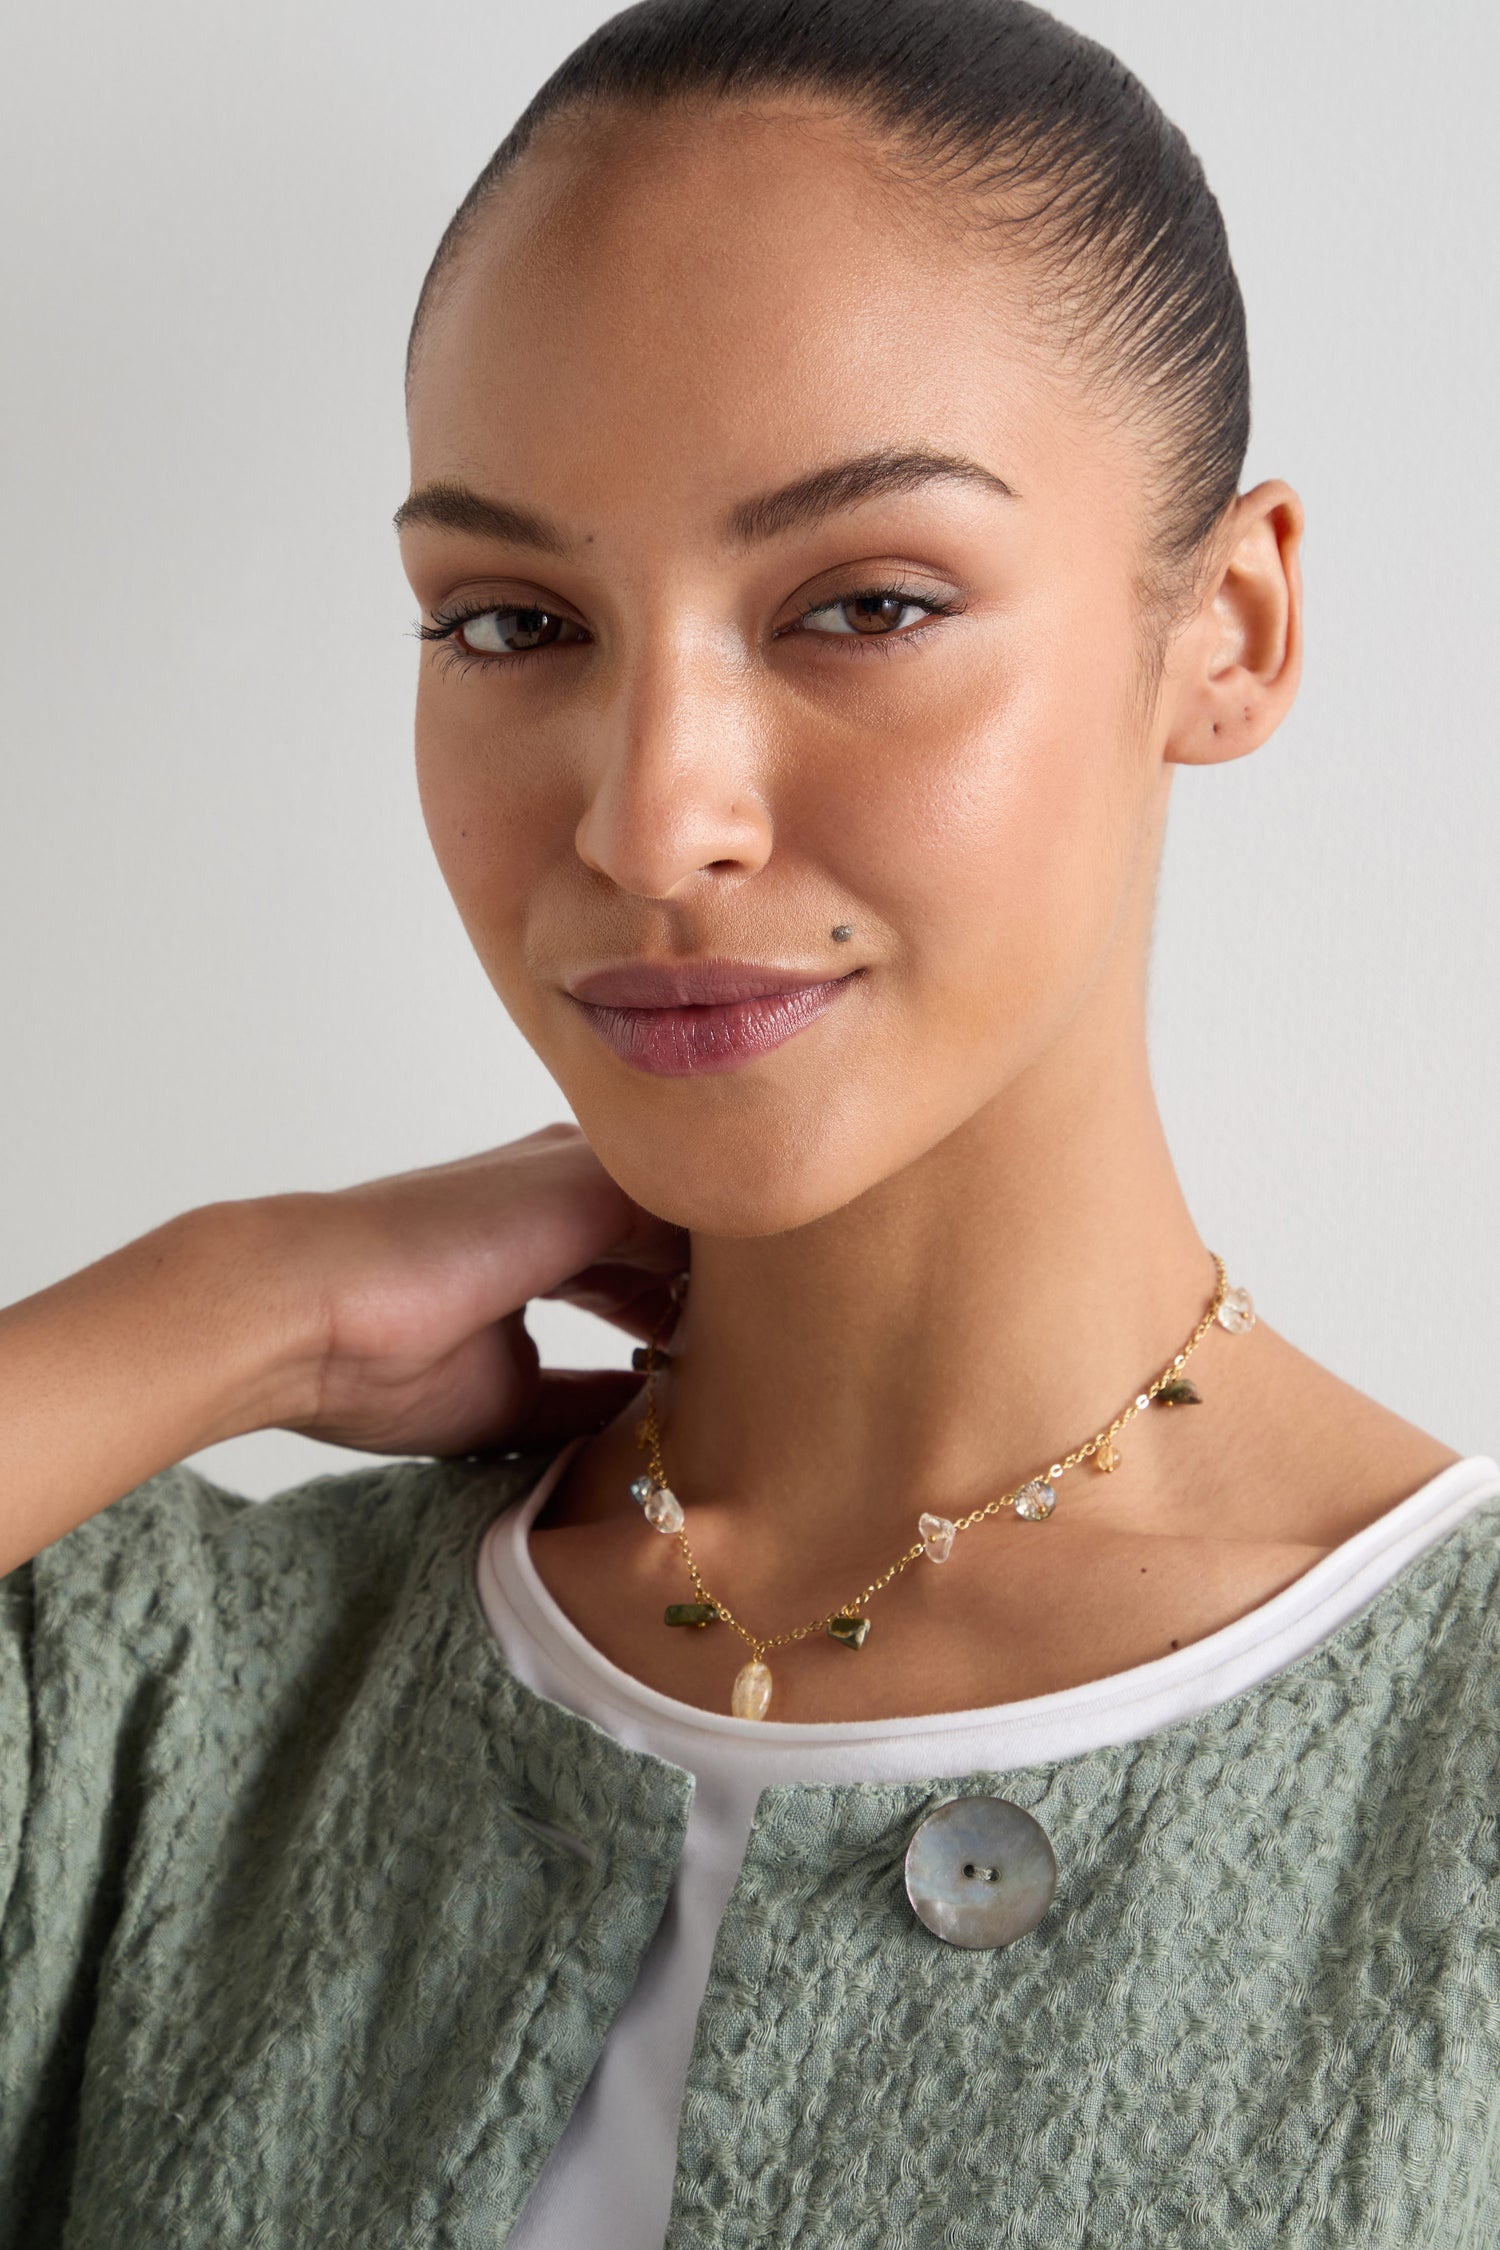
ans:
x=875 y=613
x=503 y=631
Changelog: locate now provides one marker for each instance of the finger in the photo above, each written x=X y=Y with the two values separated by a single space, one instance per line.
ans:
x=657 y=1241
x=622 y=1295
x=521 y=1218
x=574 y=1400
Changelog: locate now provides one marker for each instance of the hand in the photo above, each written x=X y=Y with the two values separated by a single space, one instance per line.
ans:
x=418 y=1341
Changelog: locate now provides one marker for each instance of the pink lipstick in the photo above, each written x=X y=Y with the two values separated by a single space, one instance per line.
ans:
x=674 y=1018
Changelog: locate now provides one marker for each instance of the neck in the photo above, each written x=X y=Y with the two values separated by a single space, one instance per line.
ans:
x=950 y=1332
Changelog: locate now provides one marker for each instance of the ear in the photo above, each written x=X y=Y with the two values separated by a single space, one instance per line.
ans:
x=1234 y=665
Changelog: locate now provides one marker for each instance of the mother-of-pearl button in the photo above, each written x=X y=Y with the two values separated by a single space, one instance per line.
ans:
x=980 y=1871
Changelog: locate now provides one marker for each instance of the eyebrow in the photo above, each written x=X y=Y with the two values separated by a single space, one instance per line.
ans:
x=845 y=483
x=822 y=492
x=453 y=507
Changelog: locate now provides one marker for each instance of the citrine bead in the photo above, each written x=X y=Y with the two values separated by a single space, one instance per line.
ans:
x=850 y=1632
x=691 y=1613
x=752 y=1691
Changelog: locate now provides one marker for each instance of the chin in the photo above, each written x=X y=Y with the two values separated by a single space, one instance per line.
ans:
x=732 y=1184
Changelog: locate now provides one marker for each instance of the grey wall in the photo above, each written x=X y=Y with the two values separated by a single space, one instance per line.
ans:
x=229 y=965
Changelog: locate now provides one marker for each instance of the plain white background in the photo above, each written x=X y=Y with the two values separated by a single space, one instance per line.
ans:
x=230 y=966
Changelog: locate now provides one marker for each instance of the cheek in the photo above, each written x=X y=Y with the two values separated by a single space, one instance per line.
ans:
x=490 y=832
x=988 y=832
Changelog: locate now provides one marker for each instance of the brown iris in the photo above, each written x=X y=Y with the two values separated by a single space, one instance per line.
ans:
x=530 y=628
x=875 y=613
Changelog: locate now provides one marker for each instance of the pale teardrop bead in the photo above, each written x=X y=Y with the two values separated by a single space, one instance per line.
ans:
x=664 y=1509
x=1237 y=1313
x=936 y=1534
x=752 y=1691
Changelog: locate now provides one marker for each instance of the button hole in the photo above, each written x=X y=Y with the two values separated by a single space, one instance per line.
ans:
x=547 y=1832
x=976 y=1873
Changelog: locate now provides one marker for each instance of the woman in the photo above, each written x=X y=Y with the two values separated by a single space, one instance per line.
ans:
x=995 y=1746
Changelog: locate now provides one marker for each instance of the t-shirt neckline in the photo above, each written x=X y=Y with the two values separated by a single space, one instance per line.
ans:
x=1122 y=1705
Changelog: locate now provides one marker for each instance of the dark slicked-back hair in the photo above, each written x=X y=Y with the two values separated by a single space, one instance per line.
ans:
x=1046 y=133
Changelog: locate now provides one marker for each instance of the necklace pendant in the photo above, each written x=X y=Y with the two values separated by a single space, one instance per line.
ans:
x=849 y=1630
x=691 y=1613
x=936 y=1534
x=752 y=1690
x=664 y=1510
x=1035 y=1501
x=1236 y=1313
x=1106 y=1460
x=1179 y=1392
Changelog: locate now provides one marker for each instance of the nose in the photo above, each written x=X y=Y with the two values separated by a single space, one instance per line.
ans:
x=674 y=784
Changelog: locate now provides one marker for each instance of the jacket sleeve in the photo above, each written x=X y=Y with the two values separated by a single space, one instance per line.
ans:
x=167 y=1670
x=95 y=1635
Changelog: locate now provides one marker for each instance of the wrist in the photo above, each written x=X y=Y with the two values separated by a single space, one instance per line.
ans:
x=257 y=1326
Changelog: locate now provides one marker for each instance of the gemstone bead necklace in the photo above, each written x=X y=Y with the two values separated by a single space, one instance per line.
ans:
x=1032 y=1501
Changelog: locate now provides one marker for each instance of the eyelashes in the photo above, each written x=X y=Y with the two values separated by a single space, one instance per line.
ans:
x=540 y=629
x=457 y=653
x=877 y=596
x=533 y=622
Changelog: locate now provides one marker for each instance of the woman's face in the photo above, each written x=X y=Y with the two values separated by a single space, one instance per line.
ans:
x=687 y=721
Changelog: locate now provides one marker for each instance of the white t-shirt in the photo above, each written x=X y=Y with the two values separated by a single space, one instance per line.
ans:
x=609 y=2177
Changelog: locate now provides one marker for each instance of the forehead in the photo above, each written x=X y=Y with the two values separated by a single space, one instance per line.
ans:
x=688 y=299
x=664 y=311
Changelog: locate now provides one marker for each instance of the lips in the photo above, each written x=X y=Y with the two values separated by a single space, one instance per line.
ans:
x=676 y=1018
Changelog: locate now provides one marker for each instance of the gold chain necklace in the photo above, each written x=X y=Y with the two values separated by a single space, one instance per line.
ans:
x=1033 y=1501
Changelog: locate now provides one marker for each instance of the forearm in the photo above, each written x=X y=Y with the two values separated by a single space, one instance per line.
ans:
x=182 y=1337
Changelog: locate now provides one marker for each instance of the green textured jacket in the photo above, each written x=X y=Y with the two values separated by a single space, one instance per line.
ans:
x=313 y=1921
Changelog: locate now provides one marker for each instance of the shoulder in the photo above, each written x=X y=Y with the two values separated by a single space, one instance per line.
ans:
x=192 y=1588
x=1293 y=1453
x=1446 y=1604
x=181 y=1542
x=1419 y=1664
x=184 y=1632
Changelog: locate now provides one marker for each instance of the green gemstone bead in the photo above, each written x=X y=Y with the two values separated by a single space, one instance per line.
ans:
x=850 y=1632
x=1179 y=1392
x=691 y=1613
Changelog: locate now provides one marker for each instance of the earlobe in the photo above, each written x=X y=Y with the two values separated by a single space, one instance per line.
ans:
x=1236 y=662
